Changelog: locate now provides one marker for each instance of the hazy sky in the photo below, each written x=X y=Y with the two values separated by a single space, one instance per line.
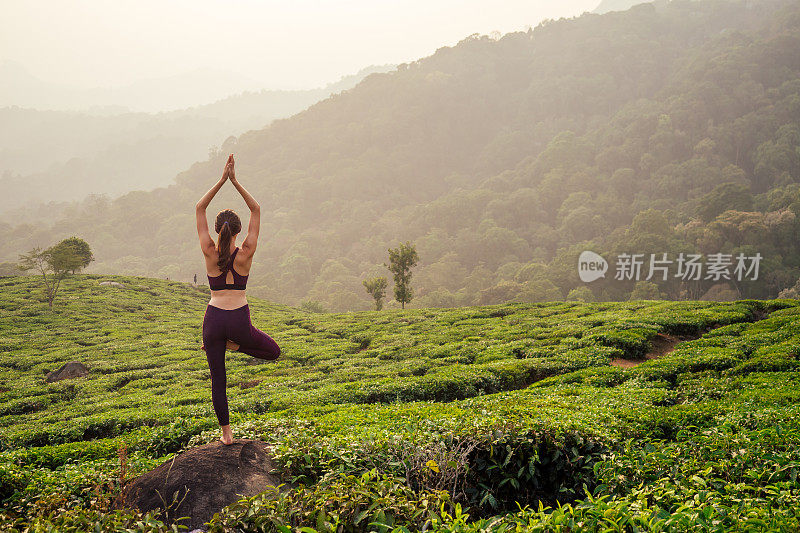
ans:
x=282 y=44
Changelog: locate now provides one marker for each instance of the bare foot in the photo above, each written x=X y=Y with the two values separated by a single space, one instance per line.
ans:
x=227 y=436
x=230 y=345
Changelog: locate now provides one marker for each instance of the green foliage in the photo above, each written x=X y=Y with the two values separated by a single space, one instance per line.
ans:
x=580 y=294
x=735 y=196
x=646 y=290
x=56 y=262
x=376 y=287
x=13 y=481
x=313 y=306
x=791 y=292
x=68 y=255
x=492 y=417
x=368 y=502
x=172 y=438
x=79 y=248
x=502 y=417
x=401 y=260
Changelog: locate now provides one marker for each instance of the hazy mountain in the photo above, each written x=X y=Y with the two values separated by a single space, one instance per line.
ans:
x=653 y=130
x=606 y=6
x=19 y=87
x=63 y=155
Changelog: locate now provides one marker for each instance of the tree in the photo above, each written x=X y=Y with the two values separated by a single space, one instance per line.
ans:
x=646 y=290
x=791 y=292
x=501 y=292
x=725 y=197
x=581 y=294
x=401 y=259
x=313 y=306
x=376 y=287
x=542 y=290
x=81 y=248
x=54 y=264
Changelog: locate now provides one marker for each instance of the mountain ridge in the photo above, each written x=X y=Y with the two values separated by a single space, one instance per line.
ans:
x=66 y=155
x=504 y=158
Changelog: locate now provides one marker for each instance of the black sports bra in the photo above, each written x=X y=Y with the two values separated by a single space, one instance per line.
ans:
x=217 y=283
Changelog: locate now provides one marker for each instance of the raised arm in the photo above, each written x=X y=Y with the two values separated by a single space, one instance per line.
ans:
x=206 y=242
x=251 y=240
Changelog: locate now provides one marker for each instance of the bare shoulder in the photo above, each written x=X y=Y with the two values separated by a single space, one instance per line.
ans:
x=209 y=250
x=211 y=257
x=246 y=250
x=244 y=259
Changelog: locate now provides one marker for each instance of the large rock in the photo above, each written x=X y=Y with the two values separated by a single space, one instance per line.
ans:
x=73 y=369
x=201 y=481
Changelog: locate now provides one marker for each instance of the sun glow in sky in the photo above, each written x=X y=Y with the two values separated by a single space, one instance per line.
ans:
x=278 y=44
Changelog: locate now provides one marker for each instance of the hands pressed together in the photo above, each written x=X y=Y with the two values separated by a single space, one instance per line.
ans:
x=228 y=174
x=230 y=171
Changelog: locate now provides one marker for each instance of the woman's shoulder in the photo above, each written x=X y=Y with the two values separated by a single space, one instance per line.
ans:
x=242 y=261
x=211 y=255
x=211 y=261
x=245 y=253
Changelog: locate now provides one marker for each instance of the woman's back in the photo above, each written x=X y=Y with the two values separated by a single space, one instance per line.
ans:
x=227 y=275
x=228 y=286
x=229 y=278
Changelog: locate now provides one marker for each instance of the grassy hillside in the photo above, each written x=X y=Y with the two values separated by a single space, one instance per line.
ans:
x=429 y=414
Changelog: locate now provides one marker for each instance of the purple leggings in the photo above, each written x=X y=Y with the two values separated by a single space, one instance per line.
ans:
x=219 y=326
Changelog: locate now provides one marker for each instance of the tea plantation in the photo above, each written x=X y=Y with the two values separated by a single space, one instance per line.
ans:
x=497 y=418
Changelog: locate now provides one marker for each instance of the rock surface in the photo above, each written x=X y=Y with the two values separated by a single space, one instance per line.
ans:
x=112 y=283
x=201 y=481
x=73 y=369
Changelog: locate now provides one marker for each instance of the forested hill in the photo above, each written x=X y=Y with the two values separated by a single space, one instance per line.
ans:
x=49 y=155
x=618 y=5
x=663 y=129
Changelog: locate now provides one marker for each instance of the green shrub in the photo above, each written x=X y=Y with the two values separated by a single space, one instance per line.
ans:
x=336 y=503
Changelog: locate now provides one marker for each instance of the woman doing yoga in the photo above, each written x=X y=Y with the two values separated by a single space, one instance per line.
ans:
x=226 y=324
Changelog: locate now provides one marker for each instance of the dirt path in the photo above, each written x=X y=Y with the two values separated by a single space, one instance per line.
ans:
x=660 y=346
x=662 y=343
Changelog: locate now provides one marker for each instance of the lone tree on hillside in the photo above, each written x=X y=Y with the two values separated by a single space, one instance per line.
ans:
x=55 y=263
x=376 y=287
x=401 y=259
x=81 y=248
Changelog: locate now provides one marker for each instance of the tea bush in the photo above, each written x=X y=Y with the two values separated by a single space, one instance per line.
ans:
x=504 y=417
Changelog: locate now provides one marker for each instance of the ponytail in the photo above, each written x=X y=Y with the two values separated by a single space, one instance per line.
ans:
x=227 y=225
x=224 y=245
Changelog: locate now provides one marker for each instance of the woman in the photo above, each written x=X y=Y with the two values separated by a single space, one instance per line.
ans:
x=227 y=320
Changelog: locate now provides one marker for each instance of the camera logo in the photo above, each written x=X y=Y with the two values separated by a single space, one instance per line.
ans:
x=591 y=266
